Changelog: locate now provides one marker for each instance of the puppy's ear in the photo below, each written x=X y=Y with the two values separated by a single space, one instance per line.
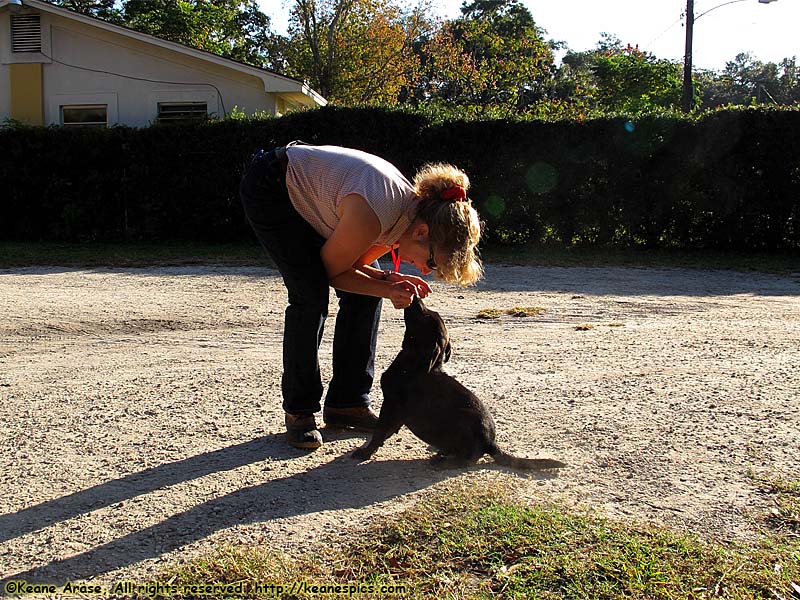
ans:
x=441 y=354
x=436 y=358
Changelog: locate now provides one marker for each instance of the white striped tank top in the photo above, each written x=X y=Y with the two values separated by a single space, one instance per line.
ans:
x=318 y=177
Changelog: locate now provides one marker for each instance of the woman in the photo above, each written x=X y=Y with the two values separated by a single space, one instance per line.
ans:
x=325 y=214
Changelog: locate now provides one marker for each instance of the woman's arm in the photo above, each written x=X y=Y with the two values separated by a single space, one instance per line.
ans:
x=373 y=254
x=364 y=264
x=353 y=239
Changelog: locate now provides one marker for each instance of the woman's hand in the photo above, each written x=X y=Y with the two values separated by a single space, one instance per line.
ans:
x=403 y=293
x=423 y=288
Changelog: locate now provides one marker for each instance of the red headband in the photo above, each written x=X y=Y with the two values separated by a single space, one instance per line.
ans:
x=457 y=193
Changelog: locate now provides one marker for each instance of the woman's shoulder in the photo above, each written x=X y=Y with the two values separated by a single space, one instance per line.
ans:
x=350 y=157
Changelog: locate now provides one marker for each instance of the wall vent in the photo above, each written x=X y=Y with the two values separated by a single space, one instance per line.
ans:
x=26 y=33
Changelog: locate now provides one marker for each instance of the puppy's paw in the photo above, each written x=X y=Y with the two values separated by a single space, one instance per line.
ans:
x=361 y=455
x=439 y=462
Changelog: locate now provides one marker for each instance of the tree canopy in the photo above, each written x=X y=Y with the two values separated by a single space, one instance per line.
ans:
x=492 y=57
x=746 y=80
x=617 y=78
x=353 y=51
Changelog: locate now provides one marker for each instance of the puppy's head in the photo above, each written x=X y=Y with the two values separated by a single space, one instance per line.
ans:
x=426 y=337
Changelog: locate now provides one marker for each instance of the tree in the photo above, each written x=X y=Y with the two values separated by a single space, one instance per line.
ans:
x=746 y=80
x=377 y=67
x=789 y=81
x=617 y=78
x=494 y=55
x=634 y=81
x=107 y=10
x=314 y=28
x=235 y=29
x=354 y=51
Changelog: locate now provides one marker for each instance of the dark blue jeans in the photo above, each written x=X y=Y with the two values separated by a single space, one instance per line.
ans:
x=294 y=247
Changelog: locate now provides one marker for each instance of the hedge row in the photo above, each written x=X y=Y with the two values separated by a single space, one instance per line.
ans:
x=730 y=180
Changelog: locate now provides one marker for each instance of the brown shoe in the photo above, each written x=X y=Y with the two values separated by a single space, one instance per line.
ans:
x=360 y=418
x=302 y=432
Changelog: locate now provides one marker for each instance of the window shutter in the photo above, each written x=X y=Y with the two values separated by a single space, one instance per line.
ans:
x=26 y=33
x=174 y=112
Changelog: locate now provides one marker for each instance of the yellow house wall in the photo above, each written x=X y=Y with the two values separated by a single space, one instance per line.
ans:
x=25 y=83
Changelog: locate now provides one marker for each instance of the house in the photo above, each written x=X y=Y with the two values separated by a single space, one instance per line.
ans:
x=61 y=67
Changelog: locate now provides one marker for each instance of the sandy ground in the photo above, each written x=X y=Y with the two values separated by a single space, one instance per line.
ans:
x=140 y=419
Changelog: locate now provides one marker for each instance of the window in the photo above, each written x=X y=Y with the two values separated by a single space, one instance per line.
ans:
x=86 y=115
x=26 y=33
x=182 y=112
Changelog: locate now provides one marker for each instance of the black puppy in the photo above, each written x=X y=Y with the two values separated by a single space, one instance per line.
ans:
x=439 y=410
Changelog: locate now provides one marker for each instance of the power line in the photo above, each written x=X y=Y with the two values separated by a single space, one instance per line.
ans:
x=663 y=33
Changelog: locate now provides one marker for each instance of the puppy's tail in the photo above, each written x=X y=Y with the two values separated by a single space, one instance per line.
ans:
x=524 y=464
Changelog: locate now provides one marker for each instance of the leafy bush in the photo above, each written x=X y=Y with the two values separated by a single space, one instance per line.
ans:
x=728 y=180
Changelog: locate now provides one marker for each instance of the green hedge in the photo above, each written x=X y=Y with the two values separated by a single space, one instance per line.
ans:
x=729 y=180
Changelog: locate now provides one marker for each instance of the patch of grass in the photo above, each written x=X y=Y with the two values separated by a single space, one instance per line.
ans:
x=584 y=327
x=479 y=542
x=601 y=257
x=525 y=311
x=490 y=313
x=23 y=254
x=13 y=255
x=785 y=515
x=249 y=566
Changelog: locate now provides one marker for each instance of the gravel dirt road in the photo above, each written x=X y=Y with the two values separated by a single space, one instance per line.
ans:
x=140 y=418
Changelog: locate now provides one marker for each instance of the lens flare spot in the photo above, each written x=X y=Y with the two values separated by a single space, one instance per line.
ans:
x=629 y=126
x=541 y=178
x=495 y=206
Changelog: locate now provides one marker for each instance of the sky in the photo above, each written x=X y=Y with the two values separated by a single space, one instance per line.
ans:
x=770 y=32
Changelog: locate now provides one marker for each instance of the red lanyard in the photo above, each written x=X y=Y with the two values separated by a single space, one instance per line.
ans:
x=396 y=260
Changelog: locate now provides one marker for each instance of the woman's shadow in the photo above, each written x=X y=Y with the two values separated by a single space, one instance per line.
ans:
x=341 y=483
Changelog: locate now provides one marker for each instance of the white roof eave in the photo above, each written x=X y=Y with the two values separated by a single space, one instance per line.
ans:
x=282 y=85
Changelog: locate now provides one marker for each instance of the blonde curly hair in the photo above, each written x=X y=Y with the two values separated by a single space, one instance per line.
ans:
x=454 y=225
